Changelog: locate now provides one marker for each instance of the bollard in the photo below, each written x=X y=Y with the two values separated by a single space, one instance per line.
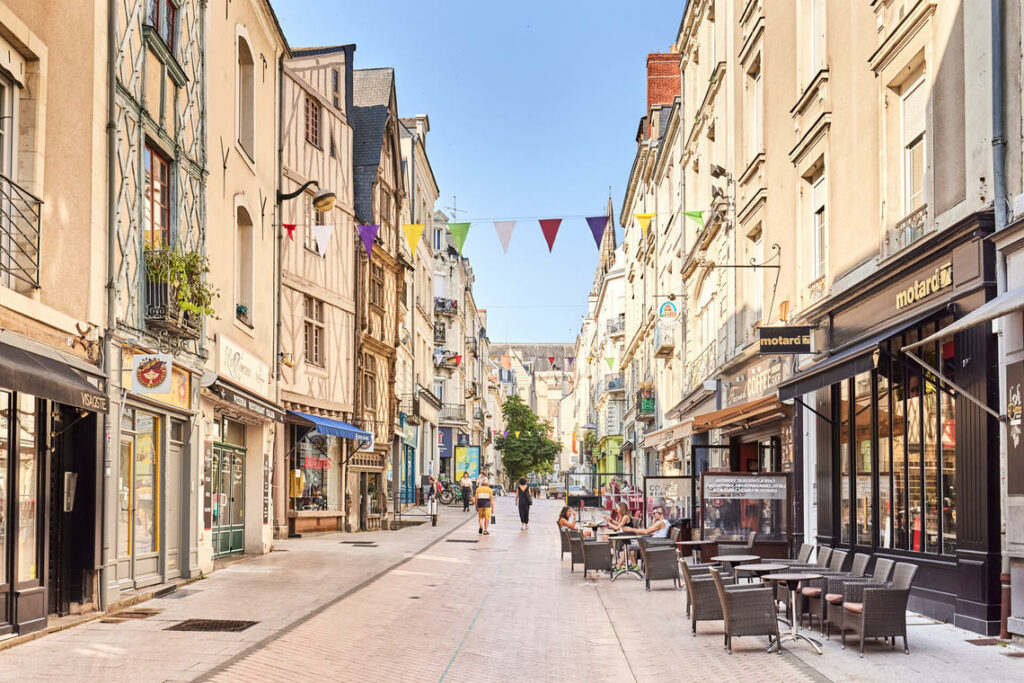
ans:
x=433 y=519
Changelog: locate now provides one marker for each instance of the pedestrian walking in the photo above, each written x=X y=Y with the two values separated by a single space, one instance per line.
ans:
x=523 y=500
x=433 y=490
x=483 y=498
x=467 y=490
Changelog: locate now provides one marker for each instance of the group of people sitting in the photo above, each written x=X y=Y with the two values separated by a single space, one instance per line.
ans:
x=622 y=520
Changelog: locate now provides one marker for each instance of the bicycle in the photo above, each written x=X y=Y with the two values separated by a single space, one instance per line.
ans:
x=450 y=494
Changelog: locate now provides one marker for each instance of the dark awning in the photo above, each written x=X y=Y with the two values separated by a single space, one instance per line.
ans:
x=329 y=427
x=22 y=370
x=844 y=365
x=1004 y=304
x=247 y=401
x=749 y=412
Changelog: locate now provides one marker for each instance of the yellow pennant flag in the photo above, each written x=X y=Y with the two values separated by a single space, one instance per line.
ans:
x=517 y=434
x=413 y=232
x=645 y=220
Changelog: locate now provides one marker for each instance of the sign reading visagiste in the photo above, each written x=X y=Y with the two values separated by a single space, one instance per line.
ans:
x=784 y=339
x=759 y=487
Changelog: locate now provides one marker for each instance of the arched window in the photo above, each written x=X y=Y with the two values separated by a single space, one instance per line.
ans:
x=246 y=105
x=243 y=267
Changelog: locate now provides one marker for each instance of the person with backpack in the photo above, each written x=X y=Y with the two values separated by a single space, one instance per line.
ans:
x=524 y=500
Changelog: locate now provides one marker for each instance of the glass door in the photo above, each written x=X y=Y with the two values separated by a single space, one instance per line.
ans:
x=228 y=501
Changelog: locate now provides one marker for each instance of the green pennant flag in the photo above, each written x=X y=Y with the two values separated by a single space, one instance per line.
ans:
x=611 y=362
x=459 y=231
x=695 y=216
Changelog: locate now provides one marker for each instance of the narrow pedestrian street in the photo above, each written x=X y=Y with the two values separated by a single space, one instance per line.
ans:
x=447 y=604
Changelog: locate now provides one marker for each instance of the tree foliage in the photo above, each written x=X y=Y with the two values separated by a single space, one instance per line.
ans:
x=526 y=448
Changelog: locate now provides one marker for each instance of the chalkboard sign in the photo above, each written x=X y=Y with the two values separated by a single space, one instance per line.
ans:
x=208 y=485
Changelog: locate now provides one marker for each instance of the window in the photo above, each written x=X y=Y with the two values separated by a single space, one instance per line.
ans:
x=814 y=49
x=313 y=310
x=312 y=121
x=245 y=103
x=437 y=240
x=912 y=104
x=336 y=88
x=819 y=229
x=163 y=15
x=754 y=117
x=377 y=285
x=844 y=462
x=439 y=389
x=156 y=204
x=244 y=267
x=757 y=277
x=369 y=382
x=313 y=218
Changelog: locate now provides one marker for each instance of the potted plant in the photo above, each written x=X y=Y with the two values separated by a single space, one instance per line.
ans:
x=242 y=312
x=180 y=276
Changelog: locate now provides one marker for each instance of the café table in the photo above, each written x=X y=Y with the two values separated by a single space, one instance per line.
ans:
x=728 y=561
x=758 y=569
x=695 y=547
x=792 y=580
x=594 y=526
x=618 y=538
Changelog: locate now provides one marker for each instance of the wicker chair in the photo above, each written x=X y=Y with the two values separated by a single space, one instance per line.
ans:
x=701 y=571
x=871 y=610
x=805 y=553
x=815 y=587
x=750 y=612
x=738 y=548
x=824 y=554
x=811 y=595
x=597 y=556
x=836 y=586
x=575 y=548
x=660 y=562
x=565 y=541
x=702 y=600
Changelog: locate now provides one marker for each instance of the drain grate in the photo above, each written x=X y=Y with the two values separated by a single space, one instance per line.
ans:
x=141 y=613
x=227 y=625
x=462 y=540
x=982 y=641
x=359 y=543
x=178 y=594
x=1017 y=654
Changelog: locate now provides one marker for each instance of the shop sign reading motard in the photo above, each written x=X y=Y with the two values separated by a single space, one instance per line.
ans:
x=784 y=339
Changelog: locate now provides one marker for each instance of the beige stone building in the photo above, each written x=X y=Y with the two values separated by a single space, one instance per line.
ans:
x=241 y=419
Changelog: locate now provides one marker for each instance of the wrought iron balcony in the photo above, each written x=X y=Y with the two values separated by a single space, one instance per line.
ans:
x=478 y=414
x=163 y=312
x=614 y=382
x=446 y=359
x=617 y=325
x=445 y=306
x=908 y=230
x=471 y=344
x=440 y=334
x=453 y=412
x=664 y=342
x=19 y=236
x=702 y=366
x=645 y=404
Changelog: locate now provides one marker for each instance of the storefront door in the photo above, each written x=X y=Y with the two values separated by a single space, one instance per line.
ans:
x=228 y=500
x=408 y=474
x=139 y=500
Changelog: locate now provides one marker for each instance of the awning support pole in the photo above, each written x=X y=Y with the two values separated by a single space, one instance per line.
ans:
x=796 y=399
x=960 y=390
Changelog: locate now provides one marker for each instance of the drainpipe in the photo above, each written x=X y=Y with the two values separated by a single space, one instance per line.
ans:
x=1000 y=217
x=109 y=424
x=279 y=469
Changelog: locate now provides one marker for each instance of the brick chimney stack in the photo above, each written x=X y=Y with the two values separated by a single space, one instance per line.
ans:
x=663 y=78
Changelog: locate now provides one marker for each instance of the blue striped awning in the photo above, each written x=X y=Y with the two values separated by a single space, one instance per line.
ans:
x=329 y=427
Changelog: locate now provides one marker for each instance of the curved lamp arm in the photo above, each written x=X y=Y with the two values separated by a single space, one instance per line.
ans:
x=292 y=195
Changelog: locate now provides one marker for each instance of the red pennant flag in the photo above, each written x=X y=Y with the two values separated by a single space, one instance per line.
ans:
x=551 y=360
x=550 y=228
x=458 y=360
x=290 y=227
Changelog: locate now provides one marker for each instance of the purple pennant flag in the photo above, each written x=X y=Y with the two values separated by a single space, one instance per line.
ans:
x=368 y=233
x=597 y=225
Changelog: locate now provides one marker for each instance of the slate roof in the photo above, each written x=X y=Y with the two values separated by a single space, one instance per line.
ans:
x=371 y=95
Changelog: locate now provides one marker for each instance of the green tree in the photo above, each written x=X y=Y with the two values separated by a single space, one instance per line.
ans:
x=526 y=448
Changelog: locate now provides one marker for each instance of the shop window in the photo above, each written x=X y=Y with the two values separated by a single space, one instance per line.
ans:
x=915 y=503
x=862 y=440
x=844 y=462
x=156 y=204
x=883 y=412
x=308 y=472
x=245 y=99
x=947 y=437
x=930 y=450
x=146 y=479
x=899 y=454
x=233 y=432
x=313 y=311
x=313 y=116
x=5 y=402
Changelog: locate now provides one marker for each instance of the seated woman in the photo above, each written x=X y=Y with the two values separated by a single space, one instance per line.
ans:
x=620 y=519
x=567 y=519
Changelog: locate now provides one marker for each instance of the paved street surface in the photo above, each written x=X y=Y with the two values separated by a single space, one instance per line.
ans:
x=445 y=604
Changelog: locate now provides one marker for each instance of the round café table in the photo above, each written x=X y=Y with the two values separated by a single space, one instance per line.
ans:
x=617 y=538
x=594 y=526
x=729 y=561
x=792 y=580
x=758 y=569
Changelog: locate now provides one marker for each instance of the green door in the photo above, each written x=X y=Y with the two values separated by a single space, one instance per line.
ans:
x=228 y=501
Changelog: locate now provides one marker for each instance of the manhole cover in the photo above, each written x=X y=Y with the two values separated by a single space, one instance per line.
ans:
x=178 y=594
x=111 y=620
x=141 y=613
x=462 y=540
x=983 y=641
x=414 y=597
x=212 y=625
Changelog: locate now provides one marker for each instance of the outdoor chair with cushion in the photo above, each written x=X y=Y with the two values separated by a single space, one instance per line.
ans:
x=824 y=554
x=575 y=548
x=750 y=612
x=597 y=556
x=879 y=610
x=812 y=594
x=660 y=562
x=836 y=586
x=805 y=553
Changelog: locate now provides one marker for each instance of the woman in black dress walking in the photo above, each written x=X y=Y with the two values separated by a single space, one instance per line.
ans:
x=524 y=501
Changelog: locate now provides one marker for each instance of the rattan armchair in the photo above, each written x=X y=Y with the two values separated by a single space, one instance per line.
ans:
x=565 y=541
x=812 y=595
x=804 y=555
x=824 y=554
x=575 y=548
x=836 y=586
x=738 y=548
x=750 y=612
x=701 y=598
x=597 y=556
x=871 y=610
x=660 y=562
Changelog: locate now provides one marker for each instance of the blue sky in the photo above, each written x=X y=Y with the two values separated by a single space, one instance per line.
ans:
x=533 y=111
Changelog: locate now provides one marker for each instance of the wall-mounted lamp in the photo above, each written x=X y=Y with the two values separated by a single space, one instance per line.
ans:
x=717 y=171
x=286 y=360
x=323 y=200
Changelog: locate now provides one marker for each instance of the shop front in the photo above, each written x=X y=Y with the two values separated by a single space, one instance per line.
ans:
x=407 y=462
x=668 y=444
x=446 y=453
x=51 y=407
x=907 y=456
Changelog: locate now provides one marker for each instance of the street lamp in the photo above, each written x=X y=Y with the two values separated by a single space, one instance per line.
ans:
x=323 y=200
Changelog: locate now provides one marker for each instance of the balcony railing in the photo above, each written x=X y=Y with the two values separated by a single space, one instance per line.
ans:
x=700 y=367
x=446 y=359
x=908 y=230
x=617 y=325
x=614 y=382
x=478 y=414
x=440 y=334
x=445 y=306
x=162 y=309
x=645 y=404
x=664 y=342
x=470 y=344
x=19 y=236
x=453 y=411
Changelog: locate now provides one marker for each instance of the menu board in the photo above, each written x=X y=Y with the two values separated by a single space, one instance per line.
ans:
x=208 y=485
x=762 y=487
x=674 y=494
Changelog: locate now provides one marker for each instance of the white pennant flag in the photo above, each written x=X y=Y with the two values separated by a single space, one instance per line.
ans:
x=322 y=235
x=504 y=230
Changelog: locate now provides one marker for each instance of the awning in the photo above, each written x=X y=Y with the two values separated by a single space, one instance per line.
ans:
x=1004 y=304
x=246 y=401
x=329 y=427
x=668 y=436
x=752 y=411
x=47 y=377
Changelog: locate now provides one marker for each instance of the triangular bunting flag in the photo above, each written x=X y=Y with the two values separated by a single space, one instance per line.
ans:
x=550 y=228
x=368 y=233
x=571 y=359
x=597 y=226
x=322 y=235
x=551 y=360
x=459 y=231
x=504 y=230
x=517 y=434
x=290 y=227
x=645 y=220
x=458 y=360
x=506 y=433
x=611 y=363
x=695 y=216
x=413 y=232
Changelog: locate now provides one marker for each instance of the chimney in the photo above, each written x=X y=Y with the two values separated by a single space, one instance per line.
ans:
x=663 y=79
